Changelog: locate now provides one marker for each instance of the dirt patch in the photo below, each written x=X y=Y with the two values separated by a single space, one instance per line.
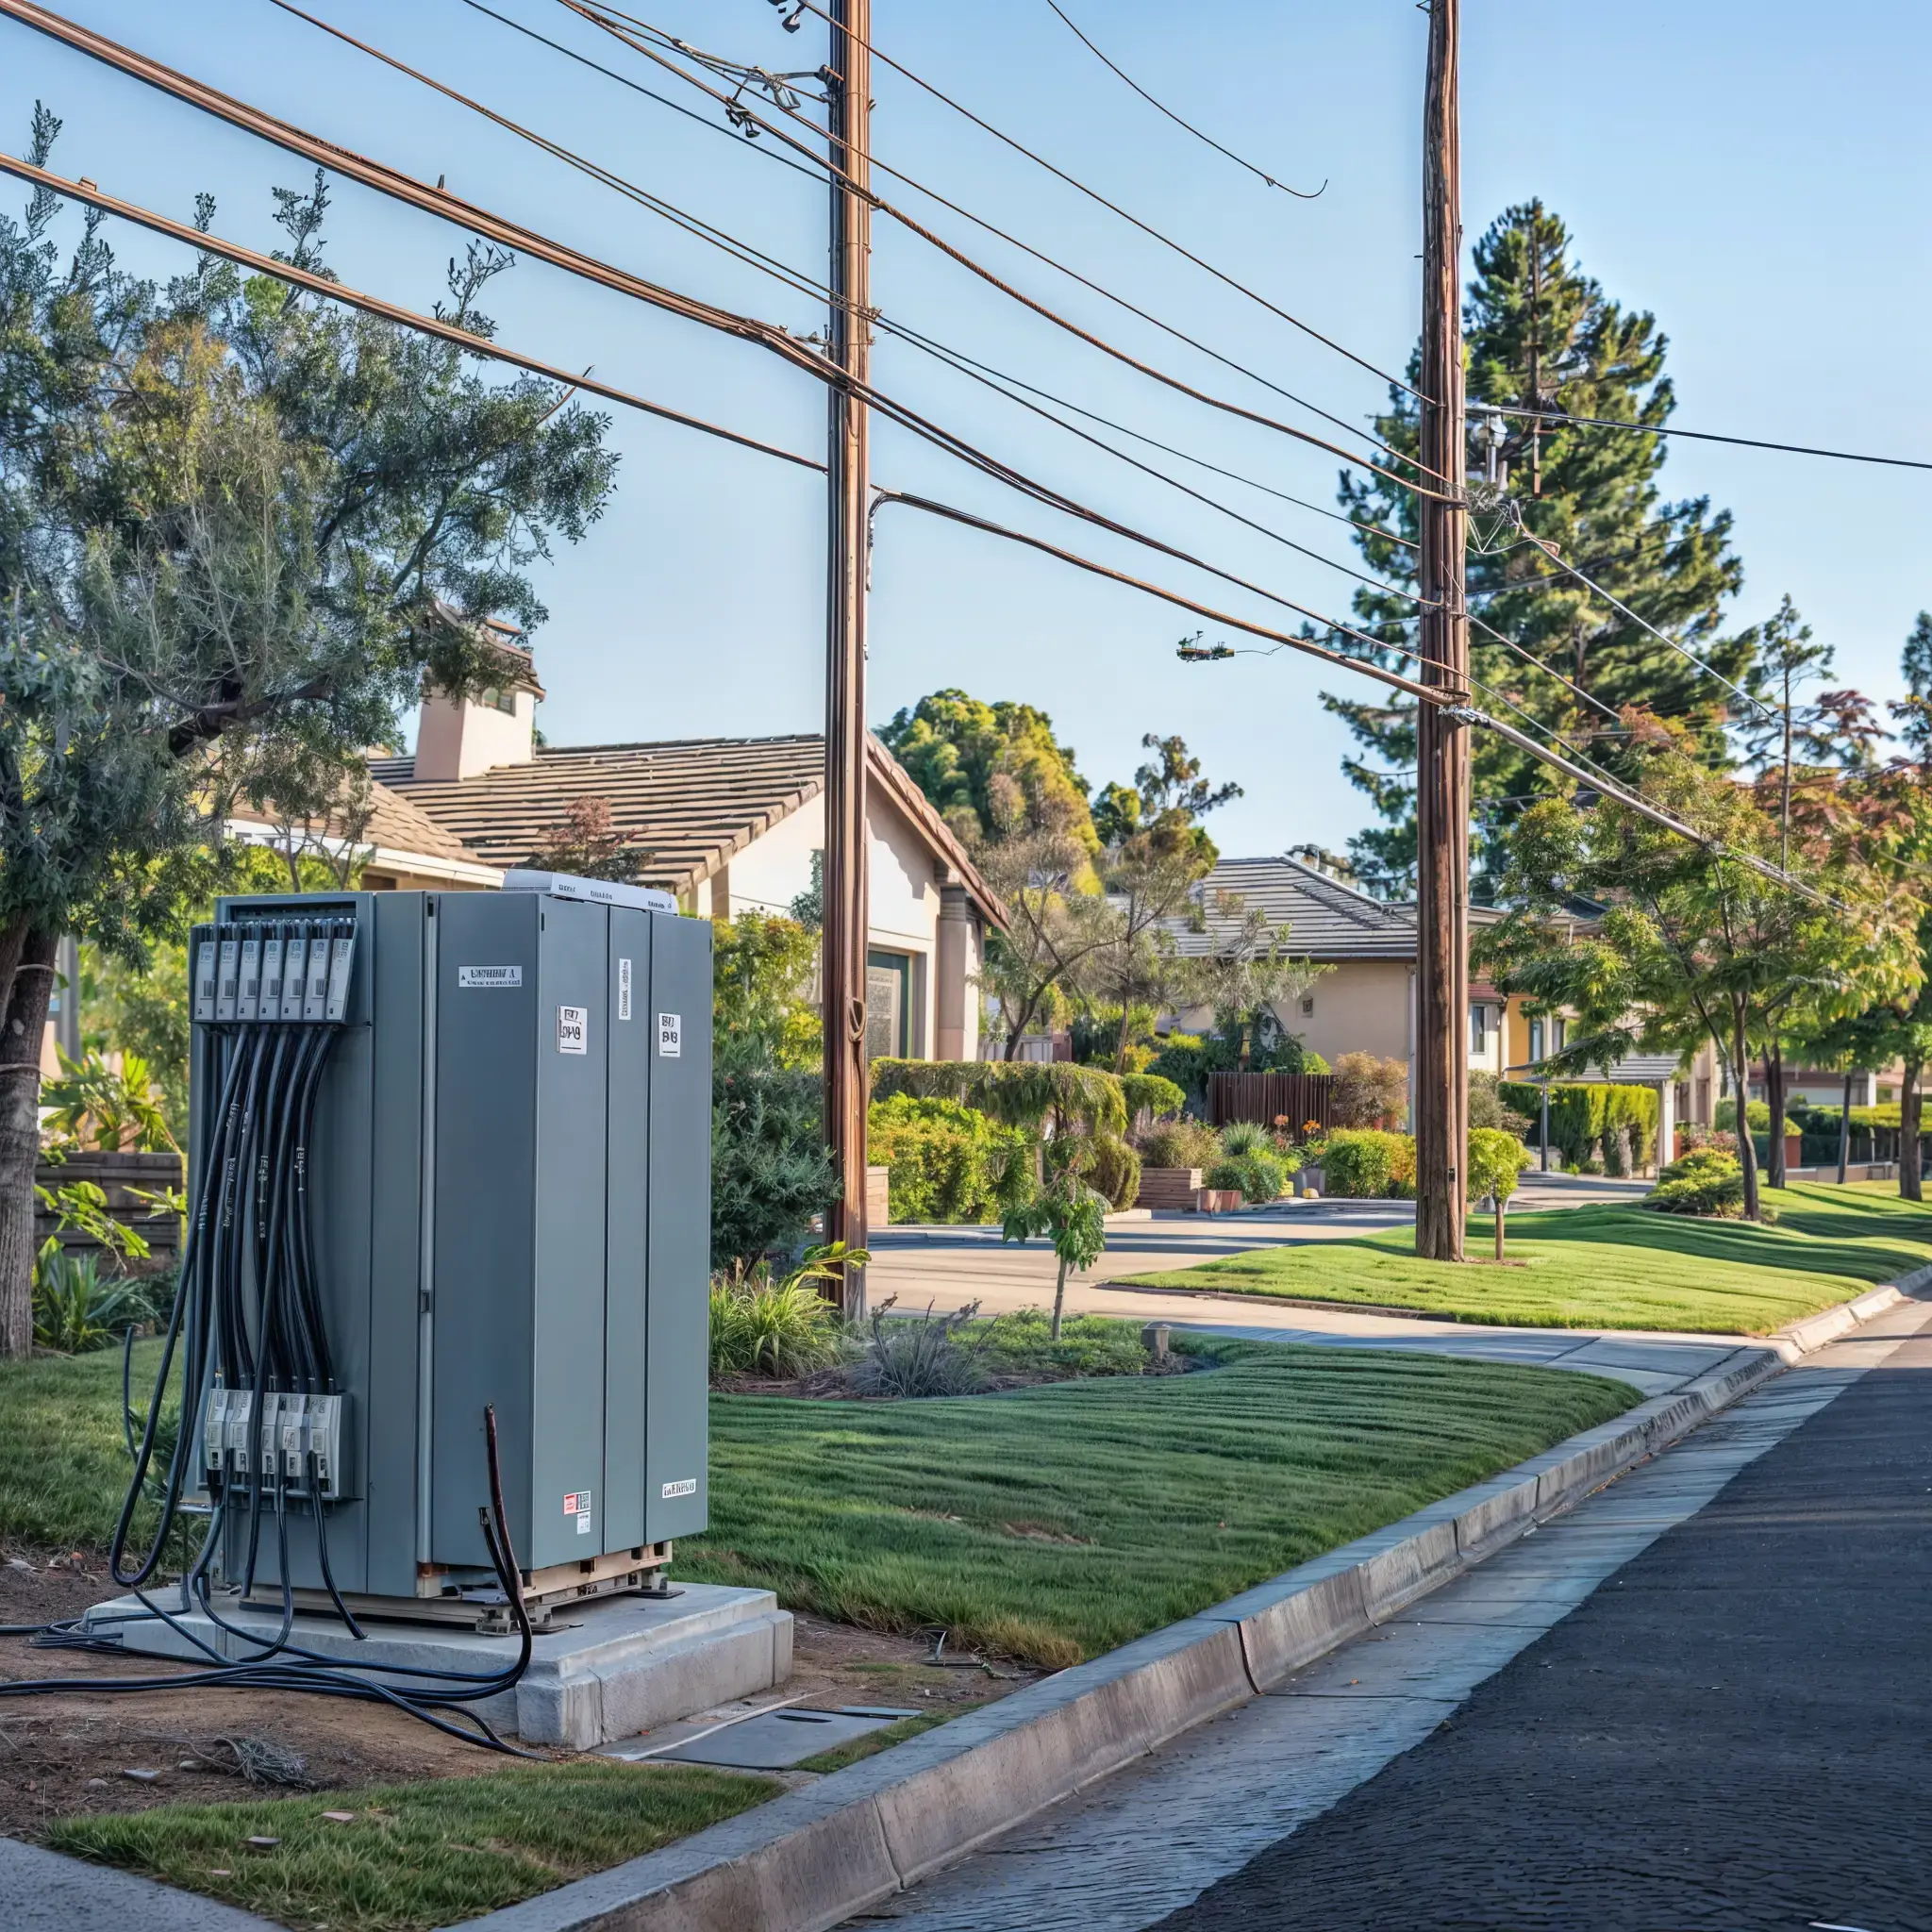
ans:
x=836 y=1664
x=66 y=1753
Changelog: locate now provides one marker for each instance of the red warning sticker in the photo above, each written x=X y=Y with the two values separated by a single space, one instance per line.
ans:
x=576 y=1503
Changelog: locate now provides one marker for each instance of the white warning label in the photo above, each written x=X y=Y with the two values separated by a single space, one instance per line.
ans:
x=490 y=975
x=671 y=1035
x=573 y=1029
x=688 y=1487
x=624 y=988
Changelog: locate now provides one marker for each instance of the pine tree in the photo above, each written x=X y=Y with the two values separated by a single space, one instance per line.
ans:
x=1539 y=332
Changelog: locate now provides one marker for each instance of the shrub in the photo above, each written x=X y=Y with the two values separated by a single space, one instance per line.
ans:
x=1180 y=1143
x=771 y=1171
x=1113 y=1169
x=1021 y=1342
x=1487 y=1108
x=1706 y=1181
x=1369 y=1092
x=1244 y=1137
x=1259 y=1173
x=919 y=1355
x=76 y=1309
x=1151 y=1095
x=946 y=1163
x=1182 y=1060
x=780 y=1330
x=1364 y=1164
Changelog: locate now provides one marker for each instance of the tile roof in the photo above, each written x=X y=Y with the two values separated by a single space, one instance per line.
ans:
x=690 y=803
x=395 y=828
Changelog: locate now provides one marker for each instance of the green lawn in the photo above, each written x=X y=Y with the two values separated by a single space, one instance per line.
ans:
x=1051 y=1524
x=417 y=1856
x=1610 y=1267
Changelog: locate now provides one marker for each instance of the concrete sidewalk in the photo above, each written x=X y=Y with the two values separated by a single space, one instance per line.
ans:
x=948 y=1266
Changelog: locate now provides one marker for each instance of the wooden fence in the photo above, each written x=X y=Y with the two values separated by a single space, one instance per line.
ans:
x=1265 y=1098
x=117 y=1176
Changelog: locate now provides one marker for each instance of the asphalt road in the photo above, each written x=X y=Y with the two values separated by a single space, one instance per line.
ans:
x=1731 y=1732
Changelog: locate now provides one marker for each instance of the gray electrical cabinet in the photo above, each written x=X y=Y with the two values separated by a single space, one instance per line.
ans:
x=509 y=1190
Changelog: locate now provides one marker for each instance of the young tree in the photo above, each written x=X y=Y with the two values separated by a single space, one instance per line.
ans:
x=238 y=528
x=587 y=845
x=1069 y=1213
x=1542 y=334
x=1693 y=941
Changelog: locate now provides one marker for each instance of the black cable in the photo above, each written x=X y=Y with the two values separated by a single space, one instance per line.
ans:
x=1562 y=419
x=1120 y=74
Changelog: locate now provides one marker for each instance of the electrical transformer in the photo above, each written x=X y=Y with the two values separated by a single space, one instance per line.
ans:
x=451 y=1159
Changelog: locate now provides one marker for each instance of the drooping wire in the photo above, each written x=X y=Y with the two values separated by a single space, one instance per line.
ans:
x=1112 y=206
x=1160 y=108
x=598 y=18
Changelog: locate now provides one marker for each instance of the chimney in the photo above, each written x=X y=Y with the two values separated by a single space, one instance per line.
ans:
x=457 y=738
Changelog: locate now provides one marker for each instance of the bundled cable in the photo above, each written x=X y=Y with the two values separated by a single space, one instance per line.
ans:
x=261 y=1412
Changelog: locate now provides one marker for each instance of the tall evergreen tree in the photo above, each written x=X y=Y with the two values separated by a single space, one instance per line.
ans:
x=1539 y=332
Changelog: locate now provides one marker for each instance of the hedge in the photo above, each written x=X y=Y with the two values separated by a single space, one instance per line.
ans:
x=946 y=1162
x=1583 y=1113
x=1017 y=1094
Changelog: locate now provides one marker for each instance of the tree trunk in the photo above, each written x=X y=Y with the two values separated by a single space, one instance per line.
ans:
x=1911 y=1111
x=1740 y=1087
x=1500 y=1209
x=1059 y=1299
x=1774 y=1098
x=21 y=1035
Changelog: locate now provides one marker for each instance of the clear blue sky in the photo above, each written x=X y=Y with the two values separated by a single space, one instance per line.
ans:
x=1752 y=170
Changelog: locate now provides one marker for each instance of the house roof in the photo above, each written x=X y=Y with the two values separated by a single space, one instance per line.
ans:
x=397 y=832
x=1325 y=919
x=692 y=803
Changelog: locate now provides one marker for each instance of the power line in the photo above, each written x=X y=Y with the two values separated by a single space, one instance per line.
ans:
x=1556 y=557
x=1562 y=419
x=388 y=311
x=793 y=279
x=703 y=121
x=1436 y=694
x=600 y=18
x=1114 y=207
x=1261 y=174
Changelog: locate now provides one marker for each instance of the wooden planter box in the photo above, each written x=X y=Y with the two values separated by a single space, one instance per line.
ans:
x=879 y=1196
x=1220 y=1200
x=1173 y=1188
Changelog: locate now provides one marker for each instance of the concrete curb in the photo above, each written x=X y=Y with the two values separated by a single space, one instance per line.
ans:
x=812 y=1858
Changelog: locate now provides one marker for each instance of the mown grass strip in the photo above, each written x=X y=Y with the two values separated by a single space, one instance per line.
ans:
x=1610 y=1267
x=1051 y=1524
x=418 y=1855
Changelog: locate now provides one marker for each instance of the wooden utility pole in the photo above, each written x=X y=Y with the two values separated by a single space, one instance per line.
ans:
x=847 y=918
x=1442 y=1056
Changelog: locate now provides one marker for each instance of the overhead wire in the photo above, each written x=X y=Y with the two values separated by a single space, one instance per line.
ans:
x=1094 y=194
x=1160 y=108
x=771 y=265
x=389 y=312
x=392 y=182
x=1562 y=420
x=600 y=17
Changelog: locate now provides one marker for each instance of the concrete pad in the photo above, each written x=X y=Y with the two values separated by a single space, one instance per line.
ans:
x=617 y=1667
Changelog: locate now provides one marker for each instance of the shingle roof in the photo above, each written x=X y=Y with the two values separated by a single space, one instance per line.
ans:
x=395 y=828
x=690 y=803
x=1325 y=919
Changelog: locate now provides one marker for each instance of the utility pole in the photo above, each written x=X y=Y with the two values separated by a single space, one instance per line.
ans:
x=846 y=913
x=1442 y=1060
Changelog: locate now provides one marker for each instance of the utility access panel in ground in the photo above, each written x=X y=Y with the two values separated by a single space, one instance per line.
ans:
x=501 y=1201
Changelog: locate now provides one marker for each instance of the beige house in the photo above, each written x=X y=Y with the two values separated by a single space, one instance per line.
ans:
x=726 y=825
x=1365 y=999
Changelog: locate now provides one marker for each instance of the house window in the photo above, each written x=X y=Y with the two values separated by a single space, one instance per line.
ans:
x=1536 y=1040
x=1479 y=1030
x=496 y=700
x=1308 y=1005
x=888 y=1006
